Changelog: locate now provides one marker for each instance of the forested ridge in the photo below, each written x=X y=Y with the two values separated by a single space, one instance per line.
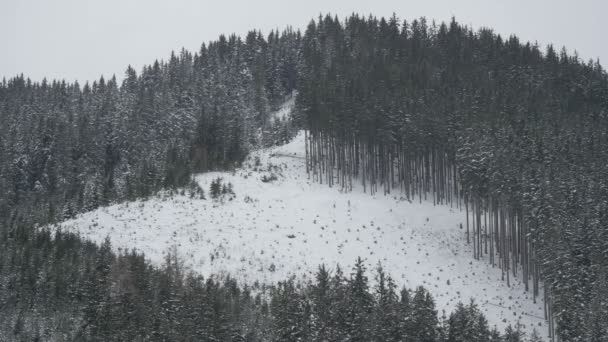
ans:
x=514 y=136
x=66 y=148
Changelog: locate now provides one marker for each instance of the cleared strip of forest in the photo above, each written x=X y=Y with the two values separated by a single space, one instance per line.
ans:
x=286 y=226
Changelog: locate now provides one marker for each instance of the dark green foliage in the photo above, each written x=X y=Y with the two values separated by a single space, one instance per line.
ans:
x=360 y=306
x=67 y=148
x=218 y=188
x=78 y=291
x=215 y=189
x=514 y=334
x=467 y=324
x=291 y=311
x=514 y=136
x=494 y=335
x=424 y=316
x=269 y=179
x=388 y=314
x=84 y=292
x=405 y=312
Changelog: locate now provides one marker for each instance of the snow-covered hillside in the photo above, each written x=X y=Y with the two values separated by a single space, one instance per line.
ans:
x=286 y=108
x=271 y=230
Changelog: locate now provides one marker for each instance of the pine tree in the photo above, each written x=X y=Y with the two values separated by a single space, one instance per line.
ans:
x=467 y=323
x=360 y=304
x=322 y=305
x=406 y=320
x=495 y=335
x=386 y=315
x=215 y=189
x=514 y=334
x=425 y=321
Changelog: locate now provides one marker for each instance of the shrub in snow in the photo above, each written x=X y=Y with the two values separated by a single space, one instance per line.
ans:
x=195 y=190
x=268 y=179
x=216 y=188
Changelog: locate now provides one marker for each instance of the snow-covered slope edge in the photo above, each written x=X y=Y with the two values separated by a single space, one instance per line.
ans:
x=272 y=230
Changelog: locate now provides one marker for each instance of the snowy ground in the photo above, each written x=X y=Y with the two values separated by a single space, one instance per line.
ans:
x=271 y=230
x=286 y=108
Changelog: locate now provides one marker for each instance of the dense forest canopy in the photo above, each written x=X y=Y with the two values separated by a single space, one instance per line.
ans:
x=76 y=291
x=449 y=114
x=65 y=148
x=515 y=136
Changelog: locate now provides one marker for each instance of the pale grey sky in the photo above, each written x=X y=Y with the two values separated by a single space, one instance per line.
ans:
x=84 y=39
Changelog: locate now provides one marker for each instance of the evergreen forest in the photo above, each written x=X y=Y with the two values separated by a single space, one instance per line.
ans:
x=514 y=135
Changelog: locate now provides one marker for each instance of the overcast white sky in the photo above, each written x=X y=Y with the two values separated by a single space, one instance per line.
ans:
x=83 y=39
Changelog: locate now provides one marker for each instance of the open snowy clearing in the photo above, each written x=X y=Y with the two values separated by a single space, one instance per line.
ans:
x=271 y=230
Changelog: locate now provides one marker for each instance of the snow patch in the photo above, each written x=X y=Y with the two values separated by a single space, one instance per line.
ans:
x=290 y=225
x=286 y=108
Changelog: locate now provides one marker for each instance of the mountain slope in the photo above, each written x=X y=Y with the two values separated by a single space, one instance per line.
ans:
x=271 y=230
